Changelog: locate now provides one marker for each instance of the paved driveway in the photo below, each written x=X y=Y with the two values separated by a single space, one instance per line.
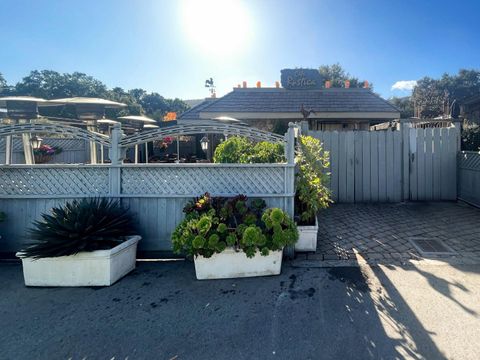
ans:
x=161 y=312
x=382 y=233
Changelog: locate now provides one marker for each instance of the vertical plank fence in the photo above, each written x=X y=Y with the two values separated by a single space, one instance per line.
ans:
x=392 y=166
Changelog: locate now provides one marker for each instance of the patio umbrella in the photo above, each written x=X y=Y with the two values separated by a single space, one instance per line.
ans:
x=139 y=122
x=89 y=110
x=20 y=108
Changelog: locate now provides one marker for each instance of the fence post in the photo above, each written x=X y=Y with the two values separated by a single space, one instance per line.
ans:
x=405 y=125
x=289 y=251
x=116 y=159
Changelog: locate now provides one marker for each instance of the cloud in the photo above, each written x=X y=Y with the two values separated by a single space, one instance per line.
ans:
x=404 y=85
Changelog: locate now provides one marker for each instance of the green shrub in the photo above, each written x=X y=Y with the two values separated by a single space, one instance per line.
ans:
x=240 y=150
x=80 y=225
x=232 y=223
x=312 y=194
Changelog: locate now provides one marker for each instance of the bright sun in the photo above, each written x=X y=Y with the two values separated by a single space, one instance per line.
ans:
x=217 y=28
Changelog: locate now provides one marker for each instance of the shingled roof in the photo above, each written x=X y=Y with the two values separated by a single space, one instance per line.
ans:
x=194 y=112
x=279 y=100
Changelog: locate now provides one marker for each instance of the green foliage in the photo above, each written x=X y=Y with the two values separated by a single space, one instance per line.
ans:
x=312 y=194
x=432 y=95
x=404 y=104
x=337 y=75
x=471 y=137
x=234 y=223
x=3 y=216
x=241 y=150
x=81 y=225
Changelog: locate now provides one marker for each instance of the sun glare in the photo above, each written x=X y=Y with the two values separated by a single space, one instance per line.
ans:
x=217 y=28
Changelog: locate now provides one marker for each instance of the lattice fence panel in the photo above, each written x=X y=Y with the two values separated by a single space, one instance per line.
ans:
x=197 y=180
x=469 y=160
x=53 y=181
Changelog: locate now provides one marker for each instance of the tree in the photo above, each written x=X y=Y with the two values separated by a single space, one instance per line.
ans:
x=3 y=82
x=434 y=97
x=337 y=75
x=50 y=84
x=429 y=98
x=404 y=104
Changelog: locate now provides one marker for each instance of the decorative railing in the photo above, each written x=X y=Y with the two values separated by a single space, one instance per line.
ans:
x=195 y=179
x=51 y=181
x=469 y=177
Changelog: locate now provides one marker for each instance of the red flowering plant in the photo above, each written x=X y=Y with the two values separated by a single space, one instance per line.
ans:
x=45 y=152
x=163 y=143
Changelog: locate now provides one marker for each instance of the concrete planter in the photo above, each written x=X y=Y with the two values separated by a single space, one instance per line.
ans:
x=231 y=264
x=307 y=237
x=96 y=268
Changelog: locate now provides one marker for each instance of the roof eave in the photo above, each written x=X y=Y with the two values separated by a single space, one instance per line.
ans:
x=299 y=116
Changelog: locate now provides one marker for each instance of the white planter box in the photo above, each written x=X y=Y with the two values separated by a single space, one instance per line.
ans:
x=96 y=268
x=307 y=237
x=231 y=264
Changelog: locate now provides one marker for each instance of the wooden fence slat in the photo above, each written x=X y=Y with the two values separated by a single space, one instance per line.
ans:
x=350 y=148
x=382 y=167
x=421 y=163
x=428 y=165
x=366 y=139
x=326 y=147
x=374 y=166
x=334 y=159
x=390 y=183
x=437 y=161
x=444 y=161
x=358 y=163
x=342 y=167
x=413 y=160
x=397 y=168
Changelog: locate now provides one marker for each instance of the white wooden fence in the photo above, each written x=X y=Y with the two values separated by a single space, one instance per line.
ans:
x=392 y=166
x=469 y=177
x=155 y=193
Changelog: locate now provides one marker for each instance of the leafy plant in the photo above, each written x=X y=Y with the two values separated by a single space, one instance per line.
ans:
x=240 y=150
x=312 y=194
x=81 y=225
x=3 y=216
x=233 y=222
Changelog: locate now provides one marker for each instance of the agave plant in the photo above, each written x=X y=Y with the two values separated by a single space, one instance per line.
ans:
x=81 y=225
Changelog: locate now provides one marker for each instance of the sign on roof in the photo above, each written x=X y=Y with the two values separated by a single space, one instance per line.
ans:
x=297 y=79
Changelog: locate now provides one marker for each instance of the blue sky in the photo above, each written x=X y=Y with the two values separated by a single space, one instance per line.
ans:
x=172 y=46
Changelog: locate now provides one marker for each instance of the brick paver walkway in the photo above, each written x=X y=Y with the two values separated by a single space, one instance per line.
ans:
x=380 y=233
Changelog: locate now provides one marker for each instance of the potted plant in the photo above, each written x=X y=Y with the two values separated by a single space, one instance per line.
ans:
x=312 y=194
x=87 y=242
x=230 y=238
x=45 y=153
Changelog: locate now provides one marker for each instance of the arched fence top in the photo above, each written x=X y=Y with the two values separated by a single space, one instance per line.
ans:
x=64 y=130
x=181 y=130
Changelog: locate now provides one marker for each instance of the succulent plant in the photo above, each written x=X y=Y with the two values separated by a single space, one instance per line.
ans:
x=232 y=222
x=81 y=225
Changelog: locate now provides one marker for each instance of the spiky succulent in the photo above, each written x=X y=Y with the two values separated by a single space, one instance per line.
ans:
x=81 y=225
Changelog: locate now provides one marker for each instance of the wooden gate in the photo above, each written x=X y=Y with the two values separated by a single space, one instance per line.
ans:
x=392 y=166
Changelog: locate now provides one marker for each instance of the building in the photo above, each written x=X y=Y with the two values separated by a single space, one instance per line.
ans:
x=273 y=108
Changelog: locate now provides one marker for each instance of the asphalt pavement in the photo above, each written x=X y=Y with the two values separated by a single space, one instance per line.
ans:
x=160 y=311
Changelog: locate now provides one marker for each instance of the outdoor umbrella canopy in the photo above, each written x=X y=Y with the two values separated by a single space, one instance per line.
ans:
x=139 y=118
x=86 y=101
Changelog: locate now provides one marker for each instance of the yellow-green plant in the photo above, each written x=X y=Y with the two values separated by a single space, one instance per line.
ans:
x=239 y=224
x=312 y=193
x=241 y=150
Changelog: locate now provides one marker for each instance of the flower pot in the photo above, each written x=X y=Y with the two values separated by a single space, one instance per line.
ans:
x=42 y=159
x=307 y=237
x=95 y=268
x=231 y=264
